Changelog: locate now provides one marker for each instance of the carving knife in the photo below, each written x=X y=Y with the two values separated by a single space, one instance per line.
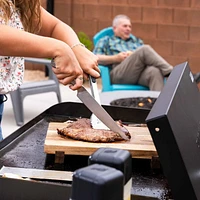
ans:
x=96 y=123
x=99 y=111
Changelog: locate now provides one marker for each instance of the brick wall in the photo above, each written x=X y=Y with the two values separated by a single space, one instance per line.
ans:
x=171 y=27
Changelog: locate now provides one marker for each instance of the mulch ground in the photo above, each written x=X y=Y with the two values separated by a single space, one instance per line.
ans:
x=34 y=75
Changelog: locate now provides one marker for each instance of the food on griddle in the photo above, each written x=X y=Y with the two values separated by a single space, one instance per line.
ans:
x=82 y=130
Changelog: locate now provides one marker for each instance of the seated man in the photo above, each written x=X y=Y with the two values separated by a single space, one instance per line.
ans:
x=132 y=62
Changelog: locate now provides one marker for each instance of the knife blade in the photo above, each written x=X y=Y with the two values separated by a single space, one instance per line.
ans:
x=95 y=122
x=99 y=111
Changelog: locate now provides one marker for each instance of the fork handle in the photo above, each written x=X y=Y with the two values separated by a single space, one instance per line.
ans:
x=94 y=89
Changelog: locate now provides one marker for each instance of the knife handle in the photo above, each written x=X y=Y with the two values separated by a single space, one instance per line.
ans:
x=53 y=64
x=92 y=79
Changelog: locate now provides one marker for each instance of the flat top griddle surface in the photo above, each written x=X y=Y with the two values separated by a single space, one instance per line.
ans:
x=27 y=151
x=25 y=147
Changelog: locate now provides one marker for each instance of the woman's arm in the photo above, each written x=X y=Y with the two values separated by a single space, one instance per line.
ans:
x=54 y=42
x=53 y=27
x=14 y=42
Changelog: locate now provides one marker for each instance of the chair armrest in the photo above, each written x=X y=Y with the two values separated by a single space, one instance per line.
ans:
x=46 y=62
x=38 y=60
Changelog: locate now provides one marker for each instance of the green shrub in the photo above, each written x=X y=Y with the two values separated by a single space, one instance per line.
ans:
x=84 y=39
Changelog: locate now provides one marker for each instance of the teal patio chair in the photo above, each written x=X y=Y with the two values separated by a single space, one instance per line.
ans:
x=105 y=70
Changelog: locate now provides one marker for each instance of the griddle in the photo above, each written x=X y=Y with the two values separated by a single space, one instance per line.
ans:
x=25 y=148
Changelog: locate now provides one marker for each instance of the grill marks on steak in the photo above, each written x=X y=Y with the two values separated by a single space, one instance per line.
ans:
x=82 y=130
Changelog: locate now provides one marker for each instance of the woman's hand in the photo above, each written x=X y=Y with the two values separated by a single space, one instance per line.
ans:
x=87 y=60
x=67 y=69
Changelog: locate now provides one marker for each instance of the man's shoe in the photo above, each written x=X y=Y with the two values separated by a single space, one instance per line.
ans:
x=197 y=77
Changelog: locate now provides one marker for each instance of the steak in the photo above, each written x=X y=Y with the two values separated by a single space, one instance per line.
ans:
x=82 y=130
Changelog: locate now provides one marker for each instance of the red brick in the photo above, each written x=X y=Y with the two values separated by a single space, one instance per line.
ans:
x=187 y=16
x=186 y=48
x=77 y=12
x=194 y=33
x=113 y=2
x=195 y=4
x=173 y=32
x=161 y=46
x=157 y=15
x=62 y=11
x=97 y=12
x=142 y=2
x=43 y=3
x=194 y=64
x=87 y=26
x=175 y=60
x=144 y=31
x=62 y=1
x=174 y=3
x=104 y=24
x=135 y=13
x=84 y=1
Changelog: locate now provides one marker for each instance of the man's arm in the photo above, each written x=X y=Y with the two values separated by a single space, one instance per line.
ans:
x=106 y=60
x=112 y=59
x=102 y=51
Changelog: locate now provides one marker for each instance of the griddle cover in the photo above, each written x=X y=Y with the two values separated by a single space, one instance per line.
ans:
x=174 y=124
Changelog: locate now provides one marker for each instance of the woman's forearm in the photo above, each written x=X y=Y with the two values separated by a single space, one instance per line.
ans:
x=57 y=29
x=14 y=42
x=66 y=34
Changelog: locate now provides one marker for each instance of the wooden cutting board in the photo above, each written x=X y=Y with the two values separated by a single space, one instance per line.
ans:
x=140 y=145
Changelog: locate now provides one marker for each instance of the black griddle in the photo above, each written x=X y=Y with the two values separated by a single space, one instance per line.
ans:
x=25 y=148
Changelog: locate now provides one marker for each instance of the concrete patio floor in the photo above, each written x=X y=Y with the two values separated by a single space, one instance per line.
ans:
x=33 y=106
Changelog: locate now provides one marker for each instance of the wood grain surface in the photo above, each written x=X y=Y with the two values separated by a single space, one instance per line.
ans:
x=140 y=145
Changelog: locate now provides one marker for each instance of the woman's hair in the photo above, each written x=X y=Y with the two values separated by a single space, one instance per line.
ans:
x=29 y=11
x=117 y=19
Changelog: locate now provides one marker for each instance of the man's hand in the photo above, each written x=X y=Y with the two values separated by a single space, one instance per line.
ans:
x=121 y=56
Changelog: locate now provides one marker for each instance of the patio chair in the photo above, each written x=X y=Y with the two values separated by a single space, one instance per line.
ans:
x=30 y=88
x=105 y=70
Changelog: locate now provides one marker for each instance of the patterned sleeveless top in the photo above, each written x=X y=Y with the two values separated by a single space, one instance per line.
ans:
x=11 y=68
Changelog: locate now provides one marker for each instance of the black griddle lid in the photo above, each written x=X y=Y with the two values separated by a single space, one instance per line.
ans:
x=174 y=124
